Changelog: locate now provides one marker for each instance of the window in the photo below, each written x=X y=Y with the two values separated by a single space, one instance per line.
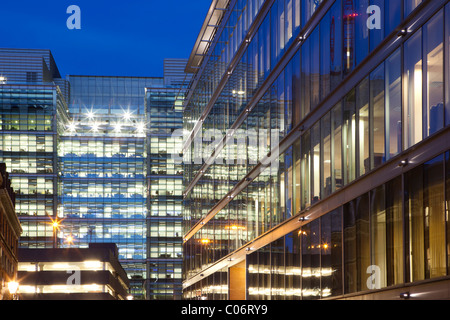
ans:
x=413 y=91
x=325 y=155
x=362 y=99
x=356 y=244
x=393 y=105
x=426 y=221
x=377 y=143
x=433 y=35
x=331 y=253
x=336 y=148
x=349 y=137
x=410 y=5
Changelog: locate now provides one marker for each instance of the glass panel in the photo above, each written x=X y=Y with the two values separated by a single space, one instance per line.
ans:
x=410 y=5
x=297 y=176
x=349 y=15
x=393 y=11
x=315 y=163
x=378 y=235
x=356 y=244
x=311 y=261
x=447 y=206
x=447 y=61
x=277 y=269
x=293 y=276
x=349 y=137
x=416 y=218
x=325 y=53
x=315 y=67
x=434 y=49
x=363 y=123
x=336 y=148
x=413 y=90
x=358 y=21
x=393 y=105
x=336 y=45
x=377 y=34
x=331 y=254
x=306 y=78
x=326 y=155
x=394 y=231
x=306 y=169
x=377 y=117
x=434 y=212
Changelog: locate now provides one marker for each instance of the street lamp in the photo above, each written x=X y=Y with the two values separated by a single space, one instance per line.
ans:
x=13 y=288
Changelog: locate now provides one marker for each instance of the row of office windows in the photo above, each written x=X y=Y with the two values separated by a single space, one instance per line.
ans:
x=307 y=80
x=27 y=108
x=330 y=52
x=339 y=252
x=383 y=115
x=395 y=234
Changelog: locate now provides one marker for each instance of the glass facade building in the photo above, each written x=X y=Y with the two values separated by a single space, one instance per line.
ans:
x=33 y=113
x=316 y=151
x=165 y=188
x=103 y=165
x=91 y=152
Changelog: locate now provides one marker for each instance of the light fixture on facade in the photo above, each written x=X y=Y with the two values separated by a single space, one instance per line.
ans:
x=3 y=80
x=95 y=127
x=140 y=127
x=403 y=163
x=90 y=115
x=72 y=127
x=118 y=127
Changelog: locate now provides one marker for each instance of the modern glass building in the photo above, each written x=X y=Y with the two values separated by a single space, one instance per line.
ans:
x=78 y=153
x=317 y=151
x=33 y=113
x=103 y=168
x=165 y=188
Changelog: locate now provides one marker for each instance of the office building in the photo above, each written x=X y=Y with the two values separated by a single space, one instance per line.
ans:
x=10 y=231
x=165 y=188
x=34 y=112
x=92 y=273
x=77 y=149
x=317 y=161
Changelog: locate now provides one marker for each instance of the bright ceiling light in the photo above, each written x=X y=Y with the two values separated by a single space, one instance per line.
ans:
x=140 y=127
x=118 y=127
x=90 y=115
x=72 y=127
x=127 y=115
x=95 y=127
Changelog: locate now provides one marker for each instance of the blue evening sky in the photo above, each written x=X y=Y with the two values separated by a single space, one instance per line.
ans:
x=123 y=38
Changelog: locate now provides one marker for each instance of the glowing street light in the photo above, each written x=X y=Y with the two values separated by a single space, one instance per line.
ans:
x=13 y=287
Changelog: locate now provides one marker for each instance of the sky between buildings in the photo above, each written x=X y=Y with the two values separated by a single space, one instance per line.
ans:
x=118 y=38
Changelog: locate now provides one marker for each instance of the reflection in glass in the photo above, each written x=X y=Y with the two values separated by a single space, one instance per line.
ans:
x=433 y=35
x=336 y=148
x=362 y=100
x=331 y=254
x=377 y=144
x=413 y=90
x=325 y=155
x=393 y=105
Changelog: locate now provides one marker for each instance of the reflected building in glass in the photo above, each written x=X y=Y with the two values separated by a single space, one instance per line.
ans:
x=316 y=152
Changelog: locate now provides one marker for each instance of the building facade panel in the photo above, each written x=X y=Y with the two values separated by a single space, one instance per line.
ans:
x=340 y=113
